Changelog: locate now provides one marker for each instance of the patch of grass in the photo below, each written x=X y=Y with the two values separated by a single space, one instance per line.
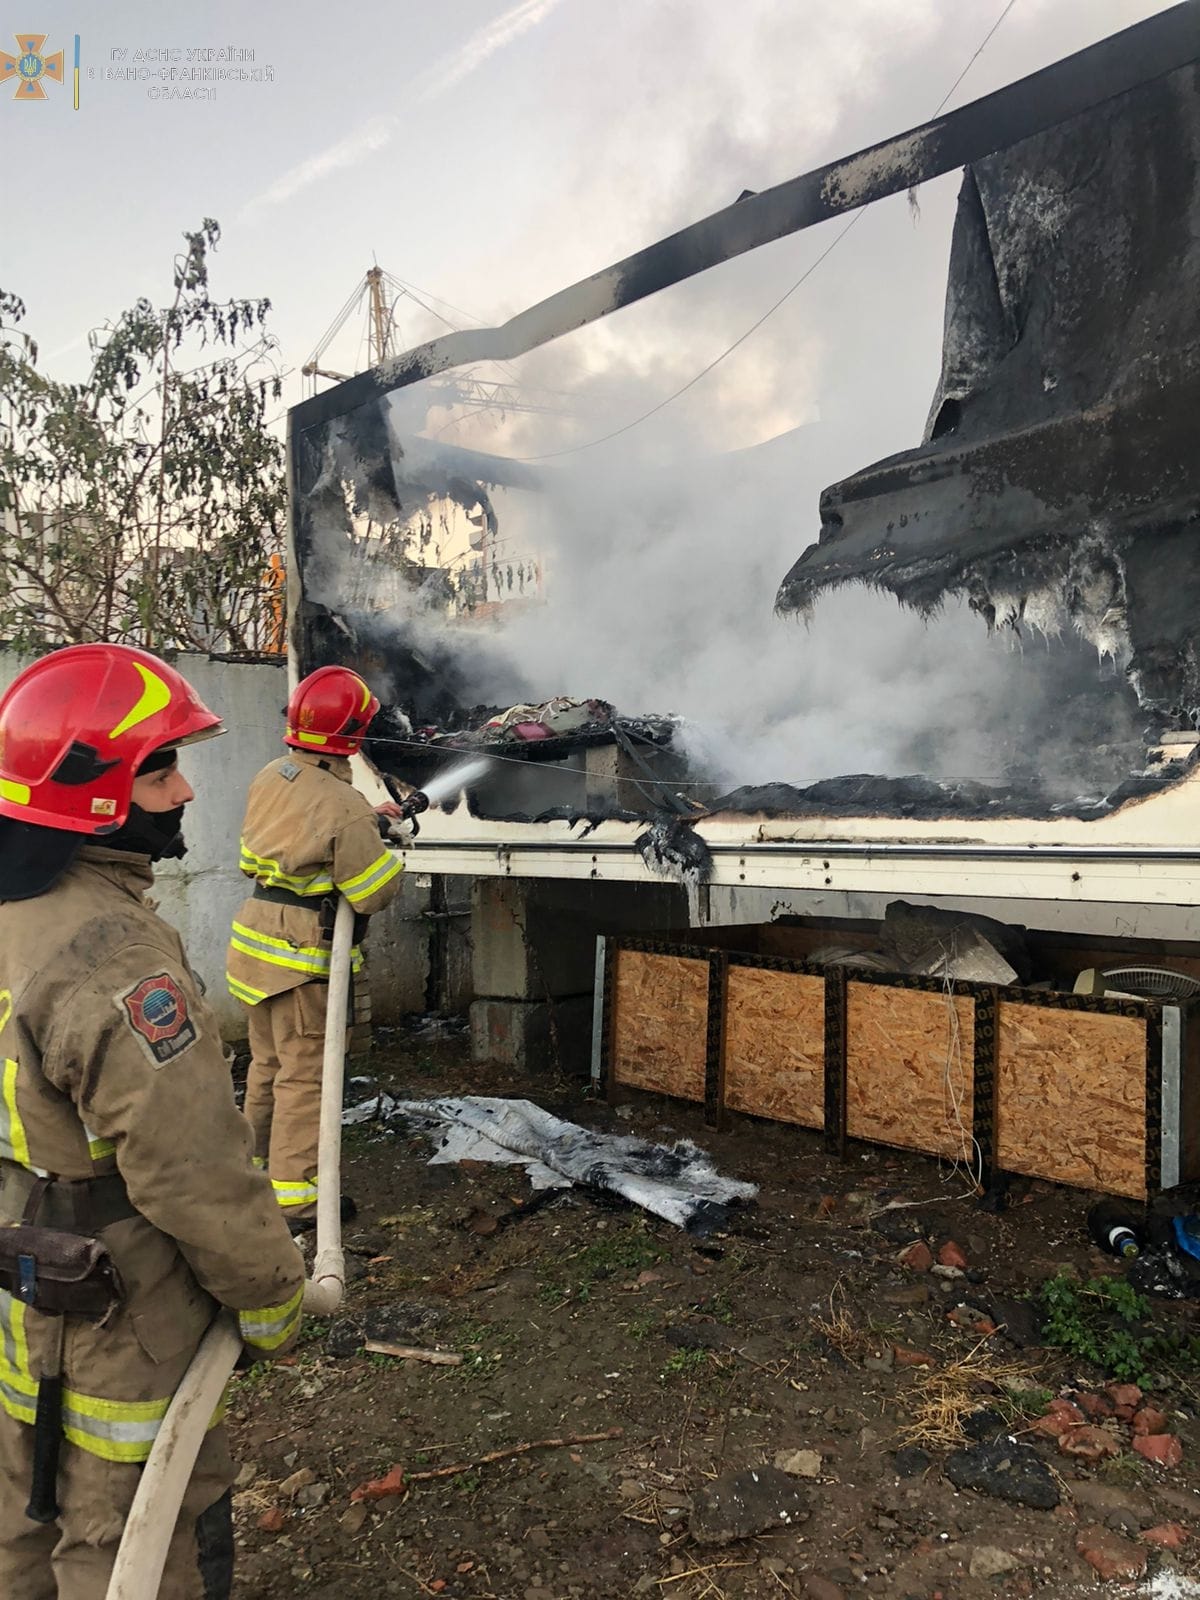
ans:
x=467 y=1482
x=719 y=1307
x=639 y=1328
x=254 y=1378
x=685 y=1364
x=1108 y=1323
x=482 y=1345
x=624 y=1250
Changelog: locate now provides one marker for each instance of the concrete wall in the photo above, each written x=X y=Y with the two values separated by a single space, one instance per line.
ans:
x=200 y=894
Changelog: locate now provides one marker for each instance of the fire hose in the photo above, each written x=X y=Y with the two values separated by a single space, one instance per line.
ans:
x=150 y=1524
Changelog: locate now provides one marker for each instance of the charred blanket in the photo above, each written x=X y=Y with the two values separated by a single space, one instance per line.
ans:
x=1059 y=481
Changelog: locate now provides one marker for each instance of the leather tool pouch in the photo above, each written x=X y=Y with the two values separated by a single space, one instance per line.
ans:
x=56 y=1271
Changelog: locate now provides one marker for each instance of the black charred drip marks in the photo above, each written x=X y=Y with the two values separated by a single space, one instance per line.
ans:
x=1059 y=484
x=672 y=847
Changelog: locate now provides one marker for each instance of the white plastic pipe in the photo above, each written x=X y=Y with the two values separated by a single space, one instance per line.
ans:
x=137 y=1571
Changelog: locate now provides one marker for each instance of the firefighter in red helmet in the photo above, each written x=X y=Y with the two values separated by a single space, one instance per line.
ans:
x=117 y=1126
x=308 y=836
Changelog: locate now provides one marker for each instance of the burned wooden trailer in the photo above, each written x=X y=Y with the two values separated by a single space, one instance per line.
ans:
x=1057 y=489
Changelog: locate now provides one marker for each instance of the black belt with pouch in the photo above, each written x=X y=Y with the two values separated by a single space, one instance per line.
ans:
x=325 y=908
x=51 y=1260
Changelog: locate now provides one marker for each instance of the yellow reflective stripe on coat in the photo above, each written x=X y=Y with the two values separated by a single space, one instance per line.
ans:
x=306 y=958
x=244 y=991
x=13 y=1142
x=294 y=1194
x=382 y=870
x=272 y=876
x=271 y=1326
x=99 y=1148
x=116 y=1430
x=18 y=1387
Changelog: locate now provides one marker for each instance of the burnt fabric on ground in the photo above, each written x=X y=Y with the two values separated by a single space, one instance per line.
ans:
x=676 y=1182
x=1058 y=484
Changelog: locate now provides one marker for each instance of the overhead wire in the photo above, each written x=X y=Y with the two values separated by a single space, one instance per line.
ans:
x=569 y=450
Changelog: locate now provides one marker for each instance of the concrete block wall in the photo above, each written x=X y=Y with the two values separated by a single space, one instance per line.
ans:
x=533 y=962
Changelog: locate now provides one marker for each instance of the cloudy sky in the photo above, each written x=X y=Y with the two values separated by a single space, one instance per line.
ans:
x=490 y=153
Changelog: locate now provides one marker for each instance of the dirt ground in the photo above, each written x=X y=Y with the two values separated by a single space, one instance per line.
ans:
x=796 y=1335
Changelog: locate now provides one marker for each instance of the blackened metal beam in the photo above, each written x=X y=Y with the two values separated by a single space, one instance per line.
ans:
x=1136 y=55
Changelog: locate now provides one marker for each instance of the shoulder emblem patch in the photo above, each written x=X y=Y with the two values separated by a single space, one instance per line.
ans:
x=156 y=1009
x=289 y=771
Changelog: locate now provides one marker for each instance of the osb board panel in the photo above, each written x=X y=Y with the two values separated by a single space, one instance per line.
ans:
x=775 y=1045
x=910 y=1057
x=1071 y=1097
x=660 y=1028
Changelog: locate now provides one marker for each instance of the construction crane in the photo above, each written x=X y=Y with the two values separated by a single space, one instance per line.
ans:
x=379 y=292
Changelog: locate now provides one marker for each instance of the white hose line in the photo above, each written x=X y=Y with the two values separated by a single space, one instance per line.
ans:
x=137 y=1571
x=150 y=1525
x=323 y=1293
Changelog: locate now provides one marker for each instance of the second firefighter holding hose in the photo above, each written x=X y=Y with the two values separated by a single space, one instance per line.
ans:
x=308 y=836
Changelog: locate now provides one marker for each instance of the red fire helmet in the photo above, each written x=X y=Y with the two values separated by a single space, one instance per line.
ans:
x=329 y=712
x=76 y=726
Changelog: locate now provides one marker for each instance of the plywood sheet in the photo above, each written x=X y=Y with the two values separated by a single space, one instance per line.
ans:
x=775 y=1045
x=660 y=1024
x=1071 y=1097
x=909 y=1063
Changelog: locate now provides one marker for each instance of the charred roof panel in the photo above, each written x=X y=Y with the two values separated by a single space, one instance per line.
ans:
x=1058 y=484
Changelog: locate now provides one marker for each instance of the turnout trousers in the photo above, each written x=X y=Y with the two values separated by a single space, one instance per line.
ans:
x=72 y=1559
x=283 y=1091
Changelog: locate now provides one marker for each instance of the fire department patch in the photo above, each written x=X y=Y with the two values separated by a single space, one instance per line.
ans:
x=157 y=1011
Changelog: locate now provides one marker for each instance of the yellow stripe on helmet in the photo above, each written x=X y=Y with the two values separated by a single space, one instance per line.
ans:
x=155 y=696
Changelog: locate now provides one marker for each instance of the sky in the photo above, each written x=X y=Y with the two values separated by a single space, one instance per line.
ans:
x=488 y=154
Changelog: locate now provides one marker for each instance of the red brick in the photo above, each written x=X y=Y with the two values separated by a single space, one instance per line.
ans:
x=1124 y=1394
x=272 y=1520
x=917 y=1256
x=951 y=1255
x=1148 y=1420
x=1066 y=1410
x=1164 y=1449
x=1093 y=1405
x=1170 y=1535
x=1109 y=1554
x=1087 y=1443
x=904 y=1357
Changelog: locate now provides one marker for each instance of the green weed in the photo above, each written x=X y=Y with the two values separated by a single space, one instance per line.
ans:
x=685 y=1364
x=1107 y=1322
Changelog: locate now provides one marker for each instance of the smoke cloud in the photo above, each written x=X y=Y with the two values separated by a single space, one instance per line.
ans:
x=662 y=549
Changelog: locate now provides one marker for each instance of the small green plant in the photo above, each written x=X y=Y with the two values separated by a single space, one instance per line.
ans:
x=685 y=1364
x=467 y=1482
x=639 y=1328
x=626 y=1250
x=1107 y=1322
x=719 y=1307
